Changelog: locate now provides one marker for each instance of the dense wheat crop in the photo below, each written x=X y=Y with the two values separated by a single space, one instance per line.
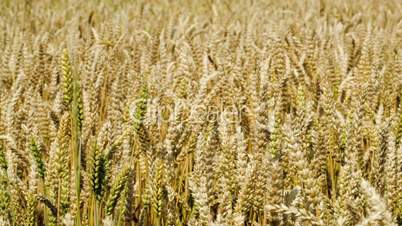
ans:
x=208 y=112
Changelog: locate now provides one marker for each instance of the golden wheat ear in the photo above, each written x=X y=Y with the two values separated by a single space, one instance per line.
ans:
x=160 y=113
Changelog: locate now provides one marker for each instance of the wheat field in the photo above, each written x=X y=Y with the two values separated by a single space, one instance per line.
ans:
x=208 y=112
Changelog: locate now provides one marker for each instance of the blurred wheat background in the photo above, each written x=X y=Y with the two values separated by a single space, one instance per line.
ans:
x=209 y=112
